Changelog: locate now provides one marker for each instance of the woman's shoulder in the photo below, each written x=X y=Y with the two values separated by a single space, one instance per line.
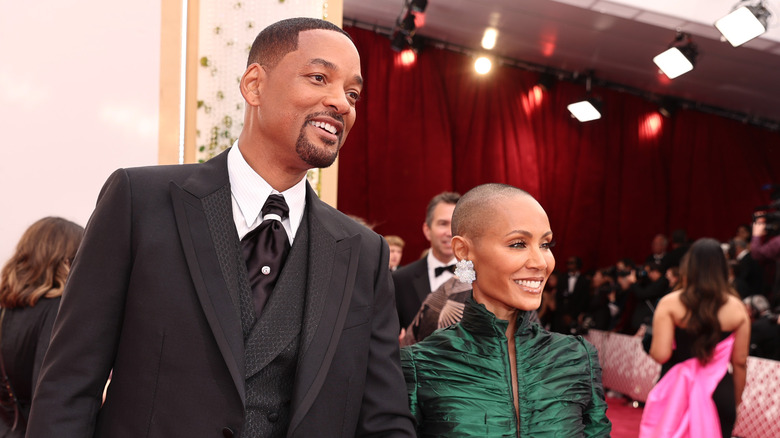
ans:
x=671 y=304
x=732 y=314
x=545 y=345
x=672 y=297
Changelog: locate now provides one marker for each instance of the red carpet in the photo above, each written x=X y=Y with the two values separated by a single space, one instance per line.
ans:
x=624 y=417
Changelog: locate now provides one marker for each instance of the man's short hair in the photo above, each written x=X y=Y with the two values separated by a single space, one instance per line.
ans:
x=395 y=240
x=757 y=303
x=469 y=215
x=281 y=38
x=445 y=197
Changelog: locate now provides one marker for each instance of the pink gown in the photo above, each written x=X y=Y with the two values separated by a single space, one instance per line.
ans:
x=680 y=405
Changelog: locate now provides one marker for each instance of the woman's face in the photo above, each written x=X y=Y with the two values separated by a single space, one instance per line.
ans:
x=512 y=257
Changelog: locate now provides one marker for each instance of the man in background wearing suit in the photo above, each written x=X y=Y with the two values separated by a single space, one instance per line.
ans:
x=571 y=298
x=416 y=280
x=169 y=289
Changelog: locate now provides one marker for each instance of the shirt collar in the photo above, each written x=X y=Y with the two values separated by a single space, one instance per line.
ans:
x=434 y=263
x=250 y=191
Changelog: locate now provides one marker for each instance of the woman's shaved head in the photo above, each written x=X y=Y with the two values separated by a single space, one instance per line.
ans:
x=473 y=210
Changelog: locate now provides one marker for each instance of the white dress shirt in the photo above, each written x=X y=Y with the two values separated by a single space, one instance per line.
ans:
x=434 y=263
x=249 y=192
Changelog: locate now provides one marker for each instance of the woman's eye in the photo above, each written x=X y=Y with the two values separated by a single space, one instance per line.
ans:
x=517 y=245
x=548 y=245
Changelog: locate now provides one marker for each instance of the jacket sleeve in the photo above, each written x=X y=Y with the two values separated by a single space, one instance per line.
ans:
x=384 y=411
x=595 y=415
x=44 y=337
x=768 y=250
x=84 y=338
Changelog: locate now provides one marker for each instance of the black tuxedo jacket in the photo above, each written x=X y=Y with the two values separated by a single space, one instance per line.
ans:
x=152 y=296
x=411 y=287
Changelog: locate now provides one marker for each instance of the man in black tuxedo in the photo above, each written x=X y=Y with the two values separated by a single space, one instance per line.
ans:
x=748 y=273
x=164 y=293
x=658 y=255
x=571 y=298
x=416 y=280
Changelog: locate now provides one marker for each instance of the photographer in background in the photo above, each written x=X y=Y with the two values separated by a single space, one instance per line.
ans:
x=650 y=286
x=748 y=273
x=765 y=243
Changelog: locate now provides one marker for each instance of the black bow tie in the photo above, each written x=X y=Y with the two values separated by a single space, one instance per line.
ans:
x=440 y=270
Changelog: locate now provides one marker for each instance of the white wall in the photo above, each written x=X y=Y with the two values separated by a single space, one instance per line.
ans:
x=79 y=94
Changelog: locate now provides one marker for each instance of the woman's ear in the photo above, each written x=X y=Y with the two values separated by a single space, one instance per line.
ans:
x=460 y=247
x=251 y=82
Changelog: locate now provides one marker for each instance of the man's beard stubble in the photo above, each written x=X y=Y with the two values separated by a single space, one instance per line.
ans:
x=314 y=156
x=310 y=153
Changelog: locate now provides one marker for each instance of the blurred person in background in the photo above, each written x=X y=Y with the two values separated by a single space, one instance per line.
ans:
x=416 y=280
x=764 y=328
x=699 y=332
x=30 y=290
x=396 y=245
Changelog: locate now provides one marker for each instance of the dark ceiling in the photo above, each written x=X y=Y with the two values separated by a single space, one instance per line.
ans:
x=739 y=82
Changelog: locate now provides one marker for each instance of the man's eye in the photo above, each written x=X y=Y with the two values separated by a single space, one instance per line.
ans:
x=353 y=96
x=318 y=78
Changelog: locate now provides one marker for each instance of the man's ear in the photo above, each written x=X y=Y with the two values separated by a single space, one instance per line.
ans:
x=251 y=83
x=460 y=247
x=427 y=231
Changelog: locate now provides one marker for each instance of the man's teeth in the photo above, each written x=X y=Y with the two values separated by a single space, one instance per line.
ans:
x=529 y=284
x=326 y=126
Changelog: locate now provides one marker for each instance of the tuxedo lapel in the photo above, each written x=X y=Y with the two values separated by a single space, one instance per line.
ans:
x=203 y=210
x=333 y=261
x=422 y=285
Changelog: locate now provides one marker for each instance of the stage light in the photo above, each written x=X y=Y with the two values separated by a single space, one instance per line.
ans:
x=680 y=58
x=483 y=65
x=589 y=108
x=408 y=57
x=744 y=23
x=418 y=5
x=407 y=25
x=489 y=39
x=585 y=110
x=668 y=106
x=398 y=42
x=545 y=81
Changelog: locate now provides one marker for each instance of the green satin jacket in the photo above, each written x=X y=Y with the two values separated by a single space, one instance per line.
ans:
x=460 y=385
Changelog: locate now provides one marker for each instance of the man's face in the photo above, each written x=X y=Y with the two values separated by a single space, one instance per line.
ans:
x=396 y=252
x=307 y=101
x=659 y=244
x=571 y=265
x=439 y=232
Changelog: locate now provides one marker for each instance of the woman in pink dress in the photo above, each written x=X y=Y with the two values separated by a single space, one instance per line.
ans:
x=698 y=330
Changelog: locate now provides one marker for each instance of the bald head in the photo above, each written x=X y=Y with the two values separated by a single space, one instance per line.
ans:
x=474 y=209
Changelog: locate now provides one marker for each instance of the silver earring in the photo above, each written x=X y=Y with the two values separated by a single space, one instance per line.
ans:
x=464 y=270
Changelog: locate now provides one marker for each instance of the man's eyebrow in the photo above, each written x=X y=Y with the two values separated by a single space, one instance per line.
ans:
x=331 y=66
x=323 y=62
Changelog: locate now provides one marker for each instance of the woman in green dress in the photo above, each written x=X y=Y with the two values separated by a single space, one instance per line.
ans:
x=495 y=373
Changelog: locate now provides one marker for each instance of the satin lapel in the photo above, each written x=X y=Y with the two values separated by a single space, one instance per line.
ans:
x=422 y=286
x=333 y=262
x=203 y=210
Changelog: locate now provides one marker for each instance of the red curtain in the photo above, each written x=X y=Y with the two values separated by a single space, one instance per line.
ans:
x=608 y=186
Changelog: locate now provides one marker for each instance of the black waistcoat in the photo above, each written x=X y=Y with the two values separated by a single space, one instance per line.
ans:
x=271 y=344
